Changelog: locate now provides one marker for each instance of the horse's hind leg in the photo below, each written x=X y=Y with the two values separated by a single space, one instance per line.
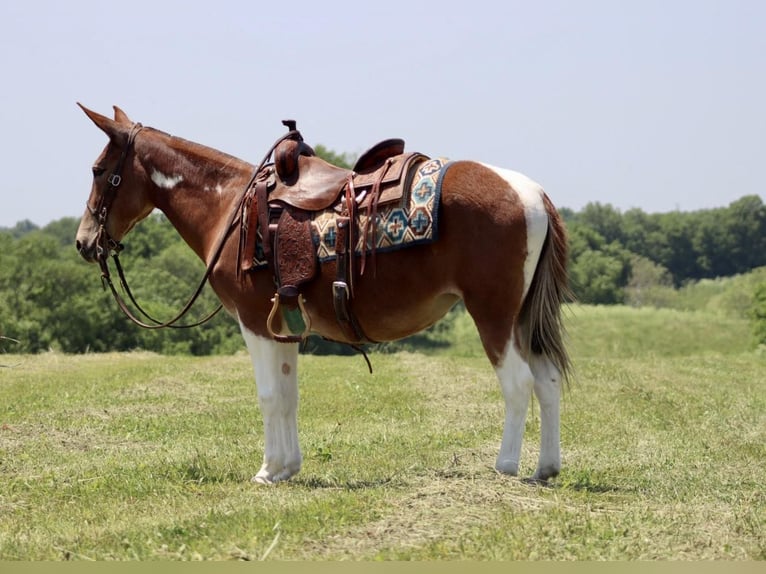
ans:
x=276 y=378
x=516 y=382
x=548 y=392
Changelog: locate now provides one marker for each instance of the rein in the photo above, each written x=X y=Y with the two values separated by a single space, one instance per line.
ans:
x=107 y=245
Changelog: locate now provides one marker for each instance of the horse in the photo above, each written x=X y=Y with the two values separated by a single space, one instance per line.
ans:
x=501 y=249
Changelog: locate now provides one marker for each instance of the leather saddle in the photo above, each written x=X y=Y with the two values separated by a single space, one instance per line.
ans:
x=280 y=207
x=309 y=183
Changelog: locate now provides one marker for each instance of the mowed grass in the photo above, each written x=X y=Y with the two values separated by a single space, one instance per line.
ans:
x=139 y=456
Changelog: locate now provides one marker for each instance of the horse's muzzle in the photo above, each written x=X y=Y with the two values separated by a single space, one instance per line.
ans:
x=88 y=251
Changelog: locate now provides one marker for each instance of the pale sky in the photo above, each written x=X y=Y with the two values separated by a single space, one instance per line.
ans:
x=656 y=104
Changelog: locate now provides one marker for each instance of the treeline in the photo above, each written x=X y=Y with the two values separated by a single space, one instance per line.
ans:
x=50 y=298
x=616 y=257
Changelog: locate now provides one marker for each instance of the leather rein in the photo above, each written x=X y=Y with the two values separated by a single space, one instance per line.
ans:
x=106 y=245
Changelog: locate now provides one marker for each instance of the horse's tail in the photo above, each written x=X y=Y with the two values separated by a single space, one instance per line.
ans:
x=540 y=325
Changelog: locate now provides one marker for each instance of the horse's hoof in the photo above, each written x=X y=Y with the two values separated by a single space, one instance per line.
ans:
x=545 y=474
x=507 y=466
x=265 y=477
x=261 y=479
x=532 y=481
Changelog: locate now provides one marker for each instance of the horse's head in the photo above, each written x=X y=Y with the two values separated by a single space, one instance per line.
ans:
x=118 y=198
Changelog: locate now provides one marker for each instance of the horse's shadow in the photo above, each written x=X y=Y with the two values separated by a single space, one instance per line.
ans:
x=579 y=485
x=192 y=472
x=331 y=483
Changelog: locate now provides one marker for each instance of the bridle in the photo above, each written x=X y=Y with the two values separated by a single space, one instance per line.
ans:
x=106 y=245
x=104 y=242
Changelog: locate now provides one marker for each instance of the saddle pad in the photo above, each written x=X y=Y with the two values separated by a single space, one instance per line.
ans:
x=412 y=221
x=406 y=223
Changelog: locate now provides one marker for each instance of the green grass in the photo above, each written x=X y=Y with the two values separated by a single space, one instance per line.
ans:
x=138 y=456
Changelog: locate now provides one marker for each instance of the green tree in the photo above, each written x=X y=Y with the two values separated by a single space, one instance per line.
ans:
x=22 y=228
x=599 y=276
x=598 y=270
x=649 y=283
x=758 y=314
x=745 y=222
x=64 y=231
x=605 y=219
x=150 y=237
x=340 y=159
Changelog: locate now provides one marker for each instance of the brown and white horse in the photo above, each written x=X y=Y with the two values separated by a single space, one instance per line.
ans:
x=501 y=249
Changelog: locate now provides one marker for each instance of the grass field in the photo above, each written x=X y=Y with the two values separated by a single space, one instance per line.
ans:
x=139 y=456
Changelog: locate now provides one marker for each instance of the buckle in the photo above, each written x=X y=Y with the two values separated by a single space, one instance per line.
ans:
x=340 y=290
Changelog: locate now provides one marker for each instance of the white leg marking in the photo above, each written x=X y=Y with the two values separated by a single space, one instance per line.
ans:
x=166 y=181
x=548 y=393
x=531 y=195
x=276 y=377
x=516 y=382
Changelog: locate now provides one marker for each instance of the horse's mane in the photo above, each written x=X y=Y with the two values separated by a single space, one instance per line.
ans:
x=198 y=155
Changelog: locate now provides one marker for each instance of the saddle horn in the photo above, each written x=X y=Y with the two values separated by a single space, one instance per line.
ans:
x=286 y=153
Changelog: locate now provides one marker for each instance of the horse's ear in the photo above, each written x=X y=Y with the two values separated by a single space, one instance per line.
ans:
x=121 y=117
x=114 y=130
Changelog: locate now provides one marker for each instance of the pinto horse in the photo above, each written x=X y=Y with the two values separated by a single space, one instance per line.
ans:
x=501 y=248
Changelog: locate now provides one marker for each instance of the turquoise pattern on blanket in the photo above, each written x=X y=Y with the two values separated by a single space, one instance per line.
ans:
x=413 y=221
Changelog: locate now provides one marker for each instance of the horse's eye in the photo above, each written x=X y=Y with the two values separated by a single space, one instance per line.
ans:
x=98 y=171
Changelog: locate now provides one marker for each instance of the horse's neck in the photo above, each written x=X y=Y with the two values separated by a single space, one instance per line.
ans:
x=196 y=188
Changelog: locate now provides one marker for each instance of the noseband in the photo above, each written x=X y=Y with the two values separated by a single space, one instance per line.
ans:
x=105 y=244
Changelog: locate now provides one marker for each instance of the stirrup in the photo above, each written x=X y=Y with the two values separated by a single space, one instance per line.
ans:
x=293 y=315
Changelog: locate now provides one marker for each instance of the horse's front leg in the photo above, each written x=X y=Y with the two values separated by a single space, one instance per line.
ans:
x=276 y=377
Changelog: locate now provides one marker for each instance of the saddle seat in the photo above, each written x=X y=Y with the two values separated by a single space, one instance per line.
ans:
x=317 y=184
x=309 y=183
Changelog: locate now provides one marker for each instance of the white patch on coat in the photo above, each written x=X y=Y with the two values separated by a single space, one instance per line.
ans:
x=166 y=181
x=531 y=195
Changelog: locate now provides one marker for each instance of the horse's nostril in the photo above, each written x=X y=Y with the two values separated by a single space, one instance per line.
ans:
x=78 y=245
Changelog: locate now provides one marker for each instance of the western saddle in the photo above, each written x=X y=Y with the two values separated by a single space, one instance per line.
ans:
x=278 y=209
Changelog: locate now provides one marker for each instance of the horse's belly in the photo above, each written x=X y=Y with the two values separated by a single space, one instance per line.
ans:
x=402 y=293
